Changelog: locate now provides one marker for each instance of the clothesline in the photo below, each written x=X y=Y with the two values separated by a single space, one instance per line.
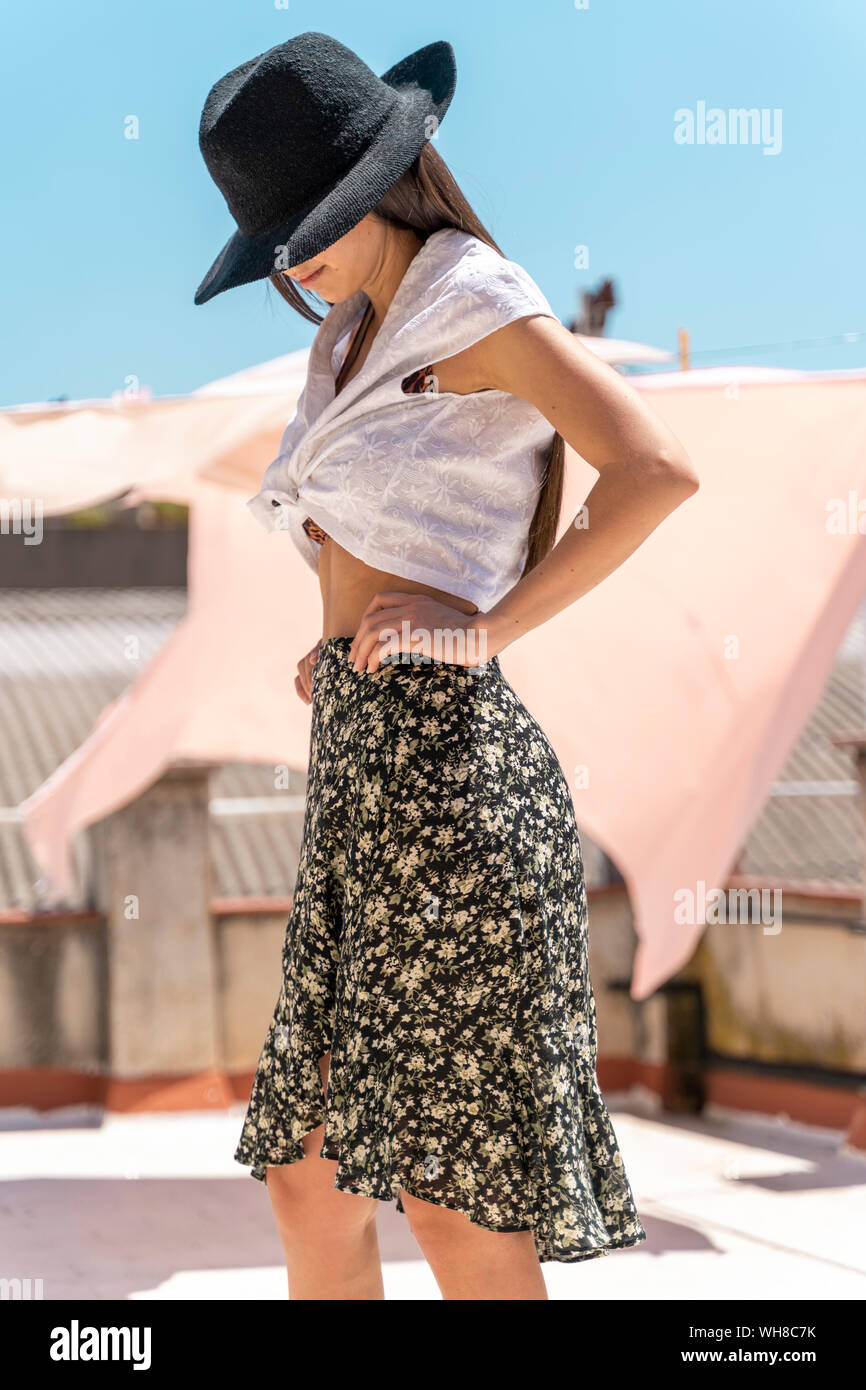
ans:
x=832 y=341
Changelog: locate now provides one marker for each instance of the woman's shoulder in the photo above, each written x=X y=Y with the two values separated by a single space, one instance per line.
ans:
x=465 y=264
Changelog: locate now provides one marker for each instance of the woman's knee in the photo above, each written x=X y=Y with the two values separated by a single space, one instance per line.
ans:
x=304 y=1199
x=432 y=1223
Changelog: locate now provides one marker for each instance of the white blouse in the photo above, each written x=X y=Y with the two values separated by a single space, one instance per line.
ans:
x=434 y=486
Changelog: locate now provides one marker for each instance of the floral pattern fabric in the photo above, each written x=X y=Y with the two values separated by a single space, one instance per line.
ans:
x=437 y=950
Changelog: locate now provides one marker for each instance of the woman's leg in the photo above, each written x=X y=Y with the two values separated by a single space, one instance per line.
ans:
x=329 y=1237
x=469 y=1262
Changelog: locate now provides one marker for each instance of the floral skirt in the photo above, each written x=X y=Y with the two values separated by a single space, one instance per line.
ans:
x=437 y=950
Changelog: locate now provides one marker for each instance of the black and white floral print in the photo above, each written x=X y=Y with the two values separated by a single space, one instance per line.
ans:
x=437 y=949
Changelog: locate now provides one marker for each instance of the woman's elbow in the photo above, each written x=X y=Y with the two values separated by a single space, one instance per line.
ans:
x=674 y=466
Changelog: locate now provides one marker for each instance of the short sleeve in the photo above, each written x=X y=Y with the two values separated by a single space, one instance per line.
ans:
x=514 y=293
x=481 y=293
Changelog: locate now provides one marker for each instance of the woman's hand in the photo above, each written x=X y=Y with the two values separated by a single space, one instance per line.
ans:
x=393 y=622
x=304 y=678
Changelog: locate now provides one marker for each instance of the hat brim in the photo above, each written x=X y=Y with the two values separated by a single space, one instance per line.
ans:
x=425 y=83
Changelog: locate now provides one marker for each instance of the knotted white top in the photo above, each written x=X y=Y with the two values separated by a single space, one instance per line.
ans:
x=436 y=486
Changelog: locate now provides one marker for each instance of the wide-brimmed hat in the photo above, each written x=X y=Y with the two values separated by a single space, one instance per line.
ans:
x=304 y=140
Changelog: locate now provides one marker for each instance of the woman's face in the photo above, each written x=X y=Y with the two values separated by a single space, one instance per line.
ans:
x=347 y=265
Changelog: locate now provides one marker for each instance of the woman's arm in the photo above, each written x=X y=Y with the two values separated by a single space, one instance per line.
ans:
x=644 y=474
x=644 y=471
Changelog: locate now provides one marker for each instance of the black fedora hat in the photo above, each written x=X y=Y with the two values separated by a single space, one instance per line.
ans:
x=305 y=139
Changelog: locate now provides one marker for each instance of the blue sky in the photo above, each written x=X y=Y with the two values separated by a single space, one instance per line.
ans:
x=561 y=133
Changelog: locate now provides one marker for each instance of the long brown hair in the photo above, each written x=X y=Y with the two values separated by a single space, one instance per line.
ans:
x=426 y=199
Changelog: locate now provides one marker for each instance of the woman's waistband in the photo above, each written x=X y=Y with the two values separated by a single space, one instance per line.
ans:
x=403 y=668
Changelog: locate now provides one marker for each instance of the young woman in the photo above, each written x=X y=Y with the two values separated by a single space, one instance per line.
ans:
x=434 y=1039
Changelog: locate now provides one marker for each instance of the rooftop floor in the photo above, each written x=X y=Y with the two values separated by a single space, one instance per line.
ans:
x=154 y=1207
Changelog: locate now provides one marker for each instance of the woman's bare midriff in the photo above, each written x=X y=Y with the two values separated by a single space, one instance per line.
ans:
x=348 y=586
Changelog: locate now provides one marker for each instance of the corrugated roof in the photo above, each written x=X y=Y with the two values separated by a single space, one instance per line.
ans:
x=65 y=653
x=810 y=827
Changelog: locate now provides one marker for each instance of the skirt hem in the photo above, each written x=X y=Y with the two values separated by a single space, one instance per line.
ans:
x=547 y=1254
